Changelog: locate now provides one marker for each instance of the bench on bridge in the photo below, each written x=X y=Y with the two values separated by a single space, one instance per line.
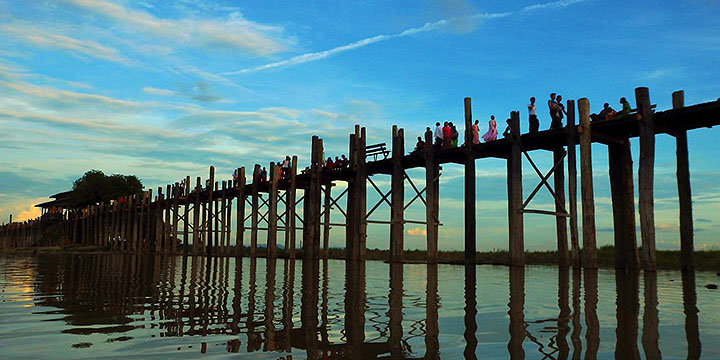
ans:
x=375 y=150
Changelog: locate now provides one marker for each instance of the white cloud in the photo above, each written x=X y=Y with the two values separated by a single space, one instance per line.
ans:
x=49 y=39
x=235 y=32
x=156 y=91
x=552 y=5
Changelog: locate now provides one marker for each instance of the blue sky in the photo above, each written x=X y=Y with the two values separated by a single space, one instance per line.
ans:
x=163 y=89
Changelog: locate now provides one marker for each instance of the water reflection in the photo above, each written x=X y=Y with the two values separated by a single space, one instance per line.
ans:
x=252 y=305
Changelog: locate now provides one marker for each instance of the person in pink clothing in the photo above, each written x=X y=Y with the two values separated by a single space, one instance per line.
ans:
x=491 y=134
x=475 y=130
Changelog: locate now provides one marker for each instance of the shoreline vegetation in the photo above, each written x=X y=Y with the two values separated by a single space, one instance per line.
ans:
x=705 y=260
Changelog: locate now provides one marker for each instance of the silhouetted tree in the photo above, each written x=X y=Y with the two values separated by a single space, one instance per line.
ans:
x=95 y=187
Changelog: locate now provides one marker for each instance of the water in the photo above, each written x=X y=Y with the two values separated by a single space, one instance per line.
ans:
x=114 y=305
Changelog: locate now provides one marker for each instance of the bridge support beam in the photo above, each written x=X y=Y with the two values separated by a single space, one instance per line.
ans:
x=240 y=212
x=186 y=215
x=515 y=196
x=684 y=192
x=572 y=183
x=209 y=240
x=432 y=173
x=223 y=219
x=397 y=197
x=623 y=205
x=646 y=176
x=356 y=205
x=589 y=250
x=470 y=228
x=560 y=223
x=175 y=216
x=197 y=226
x=327 y=206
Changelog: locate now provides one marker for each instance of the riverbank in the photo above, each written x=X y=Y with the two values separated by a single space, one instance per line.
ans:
x=666 y=259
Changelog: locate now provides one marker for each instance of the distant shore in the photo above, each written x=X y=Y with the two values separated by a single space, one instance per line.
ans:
x=706 y=260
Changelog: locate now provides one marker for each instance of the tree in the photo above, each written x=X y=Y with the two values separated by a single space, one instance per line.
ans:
x=95 y=187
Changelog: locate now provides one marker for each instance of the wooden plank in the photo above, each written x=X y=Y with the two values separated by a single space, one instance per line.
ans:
x=432 y=173
x=272 y=210
x=589 y=250
x=684 y=191
x=470 y=214
x=397 y=198
x=515 y=196
x=646 y=130
x=571 y=131
x=623 y=204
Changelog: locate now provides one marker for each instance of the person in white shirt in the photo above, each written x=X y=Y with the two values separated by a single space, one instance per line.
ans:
x=438 y=134
x=532 y=117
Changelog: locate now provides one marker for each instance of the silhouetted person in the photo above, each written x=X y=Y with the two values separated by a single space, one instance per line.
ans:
x=532 y=117
x=559 y=113
x=552 y=106
x=438 y=135
x=625 y=107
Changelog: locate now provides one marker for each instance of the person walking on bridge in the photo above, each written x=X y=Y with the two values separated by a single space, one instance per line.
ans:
x=438 y=134
x=475 y=132
x=491 y=134
x=532 y=117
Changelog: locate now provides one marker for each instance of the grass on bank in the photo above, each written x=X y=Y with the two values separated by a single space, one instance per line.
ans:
x=666 y=259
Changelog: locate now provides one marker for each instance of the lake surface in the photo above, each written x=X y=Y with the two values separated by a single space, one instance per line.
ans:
x=116 y=305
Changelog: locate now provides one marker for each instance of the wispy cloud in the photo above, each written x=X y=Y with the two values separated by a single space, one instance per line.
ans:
x=156 y=91
x=235 y=32
x=430 y=26
x=52 y=40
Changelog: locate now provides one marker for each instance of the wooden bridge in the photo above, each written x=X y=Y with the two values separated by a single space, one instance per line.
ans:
x=200 y=219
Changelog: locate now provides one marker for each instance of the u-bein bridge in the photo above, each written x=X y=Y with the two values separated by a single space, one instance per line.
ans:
x=200 y=219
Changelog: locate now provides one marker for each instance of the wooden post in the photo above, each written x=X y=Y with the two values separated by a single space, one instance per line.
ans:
x=186 y=216
x=159 y=234
x=515 y=194
x=224 y=218
x=123 y=224
x=149 y=226
x=572 y=183
x=589 y=250
x=167 y=225
x=684 y=192
x=240 y=212
x=290 y=213
x=432 y=173
x=228 y=221
x=560 y=223
x=311 y=228
x=143 y=201
x=326 y=219
x=175 y=216
x=361 y=182
x=135 y=217
x=272 y=212
x=254 y=211
x=210 y=215
x=215 y=208
x=397 y=198
x=623 y=204
x=197 y=226
x=351 y=221
x=470 y=226
x=646 y=130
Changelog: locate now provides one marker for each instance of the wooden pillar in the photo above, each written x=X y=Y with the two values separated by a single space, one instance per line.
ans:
x=175 y=216
x=351 y=221
x=432 y=173
x=149 y=226
x=215 y=209
x=137 y=203
x=197 y=226
x=141 y=218
x=589 y=250
x=186 y=216
x=571 y=131
x=623 y=204
x=646 y=130
x=290 y=213
x=210 y=215
x=397 y=197
x=159 y=234
x=122 y=224
x=272 y=211
x=684 y=192
x=167 y=225
x=560 y=223
x=228 y=221
x=361 y=182
x=311 y=228
x=240 y=212
x=254 y=211
x=326 y=219
x=224 y=218
x=470 y=226
x=515 y=194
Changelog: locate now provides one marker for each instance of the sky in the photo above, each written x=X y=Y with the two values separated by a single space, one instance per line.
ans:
x=164 y=89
